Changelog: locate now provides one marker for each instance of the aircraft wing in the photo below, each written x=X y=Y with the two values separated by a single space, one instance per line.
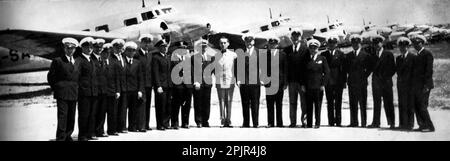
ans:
x=45 y=43
x=236 y=40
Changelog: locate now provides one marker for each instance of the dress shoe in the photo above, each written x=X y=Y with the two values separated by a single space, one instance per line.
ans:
x=352 y=125
x=199 y=125
x=303 y=126
x=427 y=130
x=363 y=126
x=174 y=127
x=160 y=128
x=92 y=138
x=69 y=139
x=124 y=132
x=373 y=126
x=132 y=130
x=245 y=126
x=392 y=127
x=205 y=125
x=280 y=126
x=227 y=125
x=292 y=125
x=185 y=126
x=82 y=139
x=142 y=130
x=338 y=125
x=316 y=126
x=270 y=125
x=255 y=126
x=102 y=135
x=113 y=134
x=148 y=128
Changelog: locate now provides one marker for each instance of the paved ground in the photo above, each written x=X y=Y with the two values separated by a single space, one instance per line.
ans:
x=37 y=121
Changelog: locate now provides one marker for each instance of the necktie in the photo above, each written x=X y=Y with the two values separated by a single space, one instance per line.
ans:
x=71 y=60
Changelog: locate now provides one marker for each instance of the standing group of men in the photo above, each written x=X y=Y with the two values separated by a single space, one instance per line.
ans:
x=116 y=80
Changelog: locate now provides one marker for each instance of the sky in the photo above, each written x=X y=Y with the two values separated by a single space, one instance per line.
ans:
x=58 y=14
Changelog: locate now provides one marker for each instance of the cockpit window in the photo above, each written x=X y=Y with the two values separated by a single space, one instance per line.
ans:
x=131 y=21
x=245 y=31
x=147 y=15
x=167 y=10
x=275 y=23
x=157 y=12
x=265 y=28
x=323 y=30
x=332 y=27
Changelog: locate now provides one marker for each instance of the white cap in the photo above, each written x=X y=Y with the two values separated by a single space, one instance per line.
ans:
x=248 y=37
x=333 y=38
x=313 y=42
x=403 y=39
x=297 y=30
x=146 y=36
x=99 y=41
x=131 y=44
x=118 y=41
x=87 y=40
x=355 y=36
x=107 y=45
x=420 y=37
x=274 y=39
x=373 y=38
x=69 y=40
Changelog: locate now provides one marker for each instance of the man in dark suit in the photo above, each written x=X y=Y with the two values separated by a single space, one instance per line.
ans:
x=249 y=82
x=133 y=88
x=101 y=98
x=118 y=60
x=163 y=84
x=63 y=80
x=276 y=61
x=316 y=70
x=295 y=54
x=422 y=84
x=404 y=67
x=336 y=81
x=359 y=69
x=382 y=74
x=88 y=92
x=145 y=57
x=202 y=87
x=182 y=90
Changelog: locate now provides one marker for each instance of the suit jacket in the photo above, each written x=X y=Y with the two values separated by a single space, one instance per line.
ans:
x=295 y=63
x=146 y=61
x=336 y=63
x=161 y=70
x=250 y=70
x=282 y=66
x=133 y=76
x=423 y=70
x=404 y=67
x=383 y=70
x=88 y=81
x=197 y=60
x=359 y=68
x=183 y=74
x=108 y=77
x=63 y=78
x=121 y=84
x=317 y=72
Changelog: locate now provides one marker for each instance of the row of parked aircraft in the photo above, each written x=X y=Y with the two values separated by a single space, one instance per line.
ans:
x=23 y=50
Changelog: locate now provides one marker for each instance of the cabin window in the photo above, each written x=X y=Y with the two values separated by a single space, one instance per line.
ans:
x=275 y=23
x=131 y=21
x=157 y=12
x=265 y=28
x=163 y=26
x=147 y=15
x=245 y=31
x=102 y=27
x=323 y=30
x=167 y=10
x=86 y=30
